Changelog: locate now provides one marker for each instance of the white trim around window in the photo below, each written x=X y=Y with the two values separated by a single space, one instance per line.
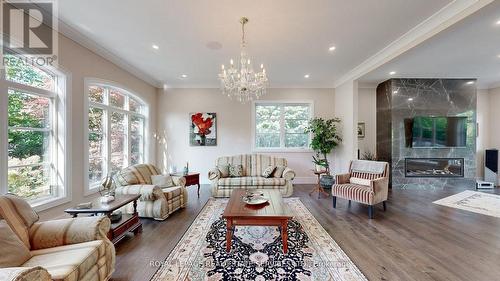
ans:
x=282 y=148
x=93 y=188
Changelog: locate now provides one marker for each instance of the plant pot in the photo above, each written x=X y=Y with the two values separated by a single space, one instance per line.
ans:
x=320 y=168
x=326 y=181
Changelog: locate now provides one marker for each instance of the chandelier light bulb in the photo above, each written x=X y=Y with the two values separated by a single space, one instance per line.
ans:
x=222 y=67
x=261 y=66
x=231 y=61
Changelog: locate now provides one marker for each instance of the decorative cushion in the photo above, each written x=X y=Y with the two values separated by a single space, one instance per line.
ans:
x=19 y=215
x=224 y=170
x=278 y=172
x=359 y=181
x=162 y=180
x=268 y=171
x=14 y=252
x=236 y=170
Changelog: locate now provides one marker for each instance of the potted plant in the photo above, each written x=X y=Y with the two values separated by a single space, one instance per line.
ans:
x=325 y=138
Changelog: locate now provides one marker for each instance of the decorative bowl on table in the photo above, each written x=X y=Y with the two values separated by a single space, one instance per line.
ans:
x=254 y=198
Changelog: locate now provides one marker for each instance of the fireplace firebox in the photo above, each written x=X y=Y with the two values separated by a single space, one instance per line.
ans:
x=434 y=167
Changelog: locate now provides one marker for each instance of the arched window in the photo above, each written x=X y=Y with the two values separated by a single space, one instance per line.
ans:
x=32 y=130
x=116 y=129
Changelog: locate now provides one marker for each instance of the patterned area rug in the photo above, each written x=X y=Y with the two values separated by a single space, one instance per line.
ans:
x=256 y=252
x=473 y=201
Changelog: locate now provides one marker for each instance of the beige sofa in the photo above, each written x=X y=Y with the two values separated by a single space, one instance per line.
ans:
x=65 y=249
x=253 y=168
x=155 y=202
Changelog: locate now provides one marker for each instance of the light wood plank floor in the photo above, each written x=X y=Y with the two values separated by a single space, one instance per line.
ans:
x=413 y=240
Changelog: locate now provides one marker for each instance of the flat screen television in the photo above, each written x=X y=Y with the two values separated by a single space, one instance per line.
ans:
x=436 y=131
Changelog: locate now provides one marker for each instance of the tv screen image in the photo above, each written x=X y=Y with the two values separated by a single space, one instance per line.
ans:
x=436 y=131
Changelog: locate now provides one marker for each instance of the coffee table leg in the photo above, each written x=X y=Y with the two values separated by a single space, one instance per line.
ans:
x=229 y=234
x=284 y=235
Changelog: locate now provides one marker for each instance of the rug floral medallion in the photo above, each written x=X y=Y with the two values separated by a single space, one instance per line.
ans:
x=257 y=251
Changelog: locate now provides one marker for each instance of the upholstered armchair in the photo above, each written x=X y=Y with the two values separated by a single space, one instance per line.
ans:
x=65 y=249
x=156 y=201
x=367 y=182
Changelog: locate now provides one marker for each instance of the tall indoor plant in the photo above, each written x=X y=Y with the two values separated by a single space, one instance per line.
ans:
x=325 y=138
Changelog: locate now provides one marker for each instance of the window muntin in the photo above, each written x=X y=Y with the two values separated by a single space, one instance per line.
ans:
x=116 y=128
x=281 y=125
x=31 y=133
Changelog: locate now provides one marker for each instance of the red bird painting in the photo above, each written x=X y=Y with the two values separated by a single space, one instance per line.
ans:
x=203 y=129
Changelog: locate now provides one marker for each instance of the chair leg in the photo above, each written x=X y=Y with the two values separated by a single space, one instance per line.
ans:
x=385 y=206
x=349 y=203
x=334 y=202
x=370 y=212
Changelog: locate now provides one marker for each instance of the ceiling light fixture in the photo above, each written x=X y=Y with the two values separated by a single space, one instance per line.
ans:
x=241 y=81
x=156 y=47
x=470 y=83
x=392 y=72
x=410 y=99
x=498 y=22
x=332 y=48
x=306 y=76
x=184 y=76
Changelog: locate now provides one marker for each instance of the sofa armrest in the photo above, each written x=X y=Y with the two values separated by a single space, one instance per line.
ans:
x=36 y=273
x=53 y=233
x=380 y=185
x=179 y=181
x=148 y=192
x=214 y=174
x=342 y=178
x=288 y=174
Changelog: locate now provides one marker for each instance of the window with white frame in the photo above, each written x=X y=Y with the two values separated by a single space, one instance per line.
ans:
x=116 y=128
x=281 y=125
x=32 y=131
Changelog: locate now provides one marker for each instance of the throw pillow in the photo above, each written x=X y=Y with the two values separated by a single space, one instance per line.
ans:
x=224 y=170
x=278 y=172
x=268 y=171
x=162 y=181
x=17 y=252
x=359 y=181
x=235 y=171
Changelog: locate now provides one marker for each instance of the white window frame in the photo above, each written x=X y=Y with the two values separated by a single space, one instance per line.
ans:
x=60 y=151
x=282 y=148
x=89 y=82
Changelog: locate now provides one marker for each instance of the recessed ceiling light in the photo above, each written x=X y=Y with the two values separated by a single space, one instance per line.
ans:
x=498 y=22
x=332 y=48
x=410 y=99
x=184 y=76
x=156 y=47
x=306 y=76
x=392 y=72
x=470 y=83
x=498 y=56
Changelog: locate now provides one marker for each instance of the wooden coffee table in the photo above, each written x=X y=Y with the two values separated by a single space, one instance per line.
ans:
x=271 y=213
x=128 y=222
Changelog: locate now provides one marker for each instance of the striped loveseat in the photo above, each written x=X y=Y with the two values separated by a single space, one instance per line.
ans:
x=367 y=182
x=253 y=168
x=63 y=250
x=155 y=201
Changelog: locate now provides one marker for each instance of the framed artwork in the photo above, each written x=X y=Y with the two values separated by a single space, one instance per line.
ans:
x=203 y=129
x=361 y=130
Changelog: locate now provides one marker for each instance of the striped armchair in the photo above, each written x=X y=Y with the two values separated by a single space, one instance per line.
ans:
x=155 y=201
x=367 y=182
x=65 y=249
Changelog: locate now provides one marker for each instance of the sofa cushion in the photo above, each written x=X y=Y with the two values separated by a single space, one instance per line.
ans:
x=136 y=174
x=172 y=192
x=224 y=170
x=360 y=181
x=19 y=215
x=268 y=171
x=10 y=243
x=236 y=171
x=70 y=262
x=278 y=172
x=162 y=181
x=252 y=181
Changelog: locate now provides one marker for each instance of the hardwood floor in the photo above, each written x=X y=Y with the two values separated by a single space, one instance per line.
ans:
x=413 y=240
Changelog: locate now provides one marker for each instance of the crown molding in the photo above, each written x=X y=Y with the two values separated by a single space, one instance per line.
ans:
x=444 y=18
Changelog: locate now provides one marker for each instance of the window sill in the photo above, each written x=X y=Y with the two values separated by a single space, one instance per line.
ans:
x=50 y=203
x=282 y=150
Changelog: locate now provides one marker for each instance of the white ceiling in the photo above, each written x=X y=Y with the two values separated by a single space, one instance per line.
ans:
x=468 y=49
x=291 y=37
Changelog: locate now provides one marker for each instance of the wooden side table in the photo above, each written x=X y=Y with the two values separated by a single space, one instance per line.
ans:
x=191 y=179
x=318 y=187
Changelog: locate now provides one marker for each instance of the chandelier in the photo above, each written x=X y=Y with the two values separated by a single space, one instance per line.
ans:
x=241 y=82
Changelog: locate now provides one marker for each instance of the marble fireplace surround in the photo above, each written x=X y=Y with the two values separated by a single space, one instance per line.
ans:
x=400 y=99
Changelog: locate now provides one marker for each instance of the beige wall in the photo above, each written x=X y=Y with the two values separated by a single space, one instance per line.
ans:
x=81 y=63
x=367 y=113
x=234 y=127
